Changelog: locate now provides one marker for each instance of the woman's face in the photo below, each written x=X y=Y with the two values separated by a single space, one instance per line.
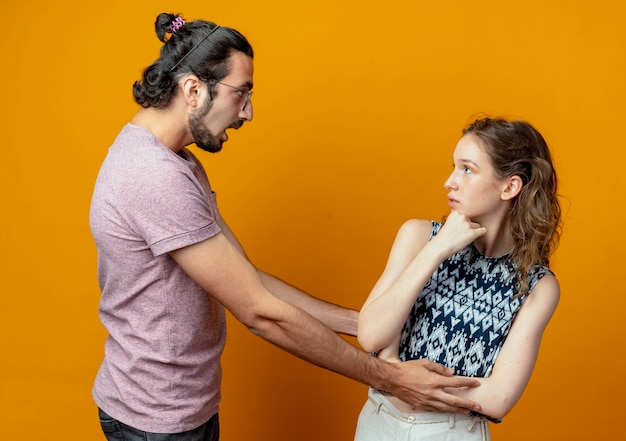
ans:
x=473 y=188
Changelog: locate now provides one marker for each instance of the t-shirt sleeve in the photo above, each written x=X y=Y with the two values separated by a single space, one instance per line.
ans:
x=172 y=207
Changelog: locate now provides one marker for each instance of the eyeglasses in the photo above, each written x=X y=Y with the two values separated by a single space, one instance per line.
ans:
x=240 y=92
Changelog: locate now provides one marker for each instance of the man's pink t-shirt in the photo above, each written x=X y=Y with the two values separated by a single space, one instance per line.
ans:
x=161 y=370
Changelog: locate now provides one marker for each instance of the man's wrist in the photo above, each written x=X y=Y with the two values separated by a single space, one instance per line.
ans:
x=383 y=373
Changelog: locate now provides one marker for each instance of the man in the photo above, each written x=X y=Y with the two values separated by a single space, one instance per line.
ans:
x=168 y=264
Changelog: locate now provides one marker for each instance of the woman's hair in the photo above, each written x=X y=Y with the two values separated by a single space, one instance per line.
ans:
x=199 y=47
x=516 y=148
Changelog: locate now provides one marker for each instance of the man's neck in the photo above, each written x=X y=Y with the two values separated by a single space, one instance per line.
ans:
x=166 y=124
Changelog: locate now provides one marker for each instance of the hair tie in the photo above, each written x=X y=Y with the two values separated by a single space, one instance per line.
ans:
x=178 y=23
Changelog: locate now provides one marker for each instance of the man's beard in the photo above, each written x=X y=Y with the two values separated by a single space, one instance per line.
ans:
x=202 y=136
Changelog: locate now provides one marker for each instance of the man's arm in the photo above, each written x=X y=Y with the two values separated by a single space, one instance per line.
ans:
x=225 y=273
x=499 y=392
x=337 y=318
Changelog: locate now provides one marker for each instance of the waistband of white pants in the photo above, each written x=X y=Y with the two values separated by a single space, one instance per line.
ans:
x=383 y=404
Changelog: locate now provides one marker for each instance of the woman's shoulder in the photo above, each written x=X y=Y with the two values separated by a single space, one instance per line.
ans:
x=539 y=273
x=543 y=299
x=546 y=282
x=410 y=238
x=418 y=228
x=413 y=235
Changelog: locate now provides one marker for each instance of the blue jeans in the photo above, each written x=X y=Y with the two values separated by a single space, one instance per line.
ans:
x=115 y=430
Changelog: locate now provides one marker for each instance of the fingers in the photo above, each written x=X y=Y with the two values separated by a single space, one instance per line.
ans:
x=461 y=219
x=458 y=382
x=474 y=229
x=451 y=403
x=435 y=382
x=433 y=367
x=478 y=230
x=456 y=233
x=443 y=377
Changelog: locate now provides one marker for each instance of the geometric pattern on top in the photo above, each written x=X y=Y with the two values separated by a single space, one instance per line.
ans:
x=465 y=311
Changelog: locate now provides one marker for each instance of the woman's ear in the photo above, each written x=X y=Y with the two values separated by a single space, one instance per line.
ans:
x=513 y=187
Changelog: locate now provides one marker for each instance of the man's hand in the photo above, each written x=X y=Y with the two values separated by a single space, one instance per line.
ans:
x=422 y=384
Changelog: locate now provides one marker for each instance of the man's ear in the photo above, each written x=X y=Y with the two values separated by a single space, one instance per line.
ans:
x=513 y=187
x=191 y=86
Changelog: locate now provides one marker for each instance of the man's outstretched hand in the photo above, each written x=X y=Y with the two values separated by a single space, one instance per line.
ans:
x=422 y=383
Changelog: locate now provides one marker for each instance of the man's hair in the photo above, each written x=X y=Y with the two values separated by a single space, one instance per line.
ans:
x=516 y=148
x=189 y=49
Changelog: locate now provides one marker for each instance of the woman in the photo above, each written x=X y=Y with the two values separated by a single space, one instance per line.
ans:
x=473 y=292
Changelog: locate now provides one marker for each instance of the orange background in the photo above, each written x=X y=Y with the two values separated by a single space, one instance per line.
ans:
x=358 y=105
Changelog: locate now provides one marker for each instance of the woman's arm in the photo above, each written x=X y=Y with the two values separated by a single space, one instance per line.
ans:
x=385 y=311
x=412 y=260
x=498 y=393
